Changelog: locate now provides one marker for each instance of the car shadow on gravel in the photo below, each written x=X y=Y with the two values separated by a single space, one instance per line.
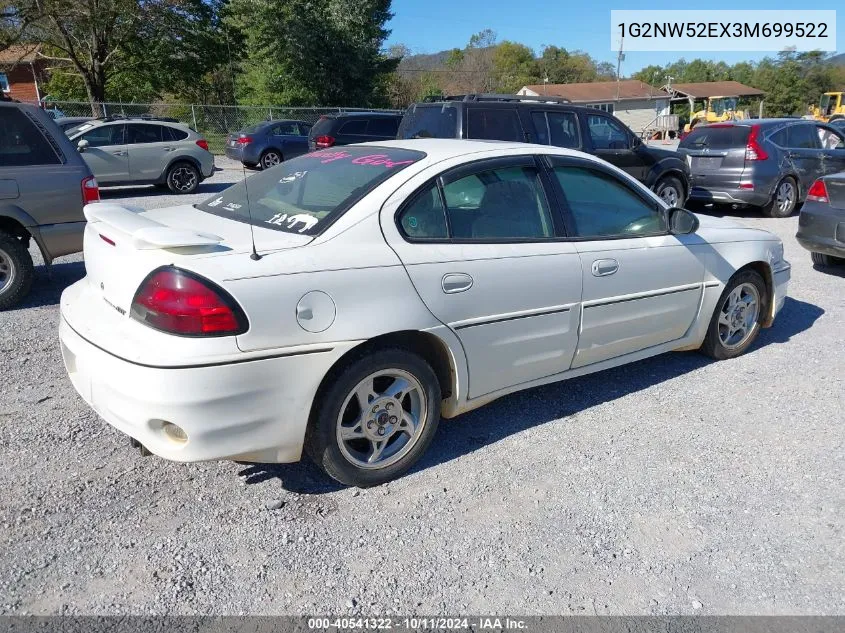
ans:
x=149 y=191
x=526 y=409
x=48 y=287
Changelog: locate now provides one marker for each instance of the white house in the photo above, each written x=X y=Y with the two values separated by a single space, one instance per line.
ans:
x=635 y=103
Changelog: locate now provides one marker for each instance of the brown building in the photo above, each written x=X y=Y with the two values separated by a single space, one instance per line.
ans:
x=22 y=73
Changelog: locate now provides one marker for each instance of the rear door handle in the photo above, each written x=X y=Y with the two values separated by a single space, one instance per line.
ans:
x=604 y=267
x=119 y=153
x=456 y=282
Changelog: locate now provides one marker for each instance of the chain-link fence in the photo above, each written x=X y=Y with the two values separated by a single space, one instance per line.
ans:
x=214 y=122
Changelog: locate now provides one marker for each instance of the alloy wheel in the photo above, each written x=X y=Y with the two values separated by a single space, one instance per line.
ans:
x=184 y=179
x=381 y=419
x=270 y=159
x=7 y=271
x=669 y=195
x=785 y=197
x=739 y=315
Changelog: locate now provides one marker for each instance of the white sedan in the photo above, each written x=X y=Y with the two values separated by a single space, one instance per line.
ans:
x=344 y=301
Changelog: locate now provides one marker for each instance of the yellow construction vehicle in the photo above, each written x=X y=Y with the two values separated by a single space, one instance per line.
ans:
x=716 y=110
x=831 y=107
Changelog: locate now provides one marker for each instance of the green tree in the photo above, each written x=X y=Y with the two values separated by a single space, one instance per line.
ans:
x=302 y=52
x=514 y=66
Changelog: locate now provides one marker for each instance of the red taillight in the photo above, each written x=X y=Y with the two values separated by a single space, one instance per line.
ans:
x=243 y=139
x=203 y=144
x=324 y=141
x=178 y=302
x=818 y=192
x=753 y=150
x=90 y=190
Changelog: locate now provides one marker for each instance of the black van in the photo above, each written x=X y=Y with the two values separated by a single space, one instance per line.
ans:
x=353 y=127
x=550 y=121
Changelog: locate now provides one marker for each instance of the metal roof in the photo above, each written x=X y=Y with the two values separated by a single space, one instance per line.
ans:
x=706 y=89
x=599 y=91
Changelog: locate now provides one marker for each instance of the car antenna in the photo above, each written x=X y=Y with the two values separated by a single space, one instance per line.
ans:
x=255 y=256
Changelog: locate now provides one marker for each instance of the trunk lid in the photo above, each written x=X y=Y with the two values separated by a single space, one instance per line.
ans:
x=124 y=244
x=835 y=186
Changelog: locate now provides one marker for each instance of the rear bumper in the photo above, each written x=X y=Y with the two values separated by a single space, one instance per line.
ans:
x=821 y=229
x=254 y=410
x=727 y=195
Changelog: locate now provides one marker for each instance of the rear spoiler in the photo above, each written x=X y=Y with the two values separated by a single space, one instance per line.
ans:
x=145 y=234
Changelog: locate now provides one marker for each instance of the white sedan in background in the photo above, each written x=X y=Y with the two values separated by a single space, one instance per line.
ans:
x=344 y=301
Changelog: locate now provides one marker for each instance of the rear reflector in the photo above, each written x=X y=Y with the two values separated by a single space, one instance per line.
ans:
x=753 y=150
x=183 y=303
x=818 y=192
x=90 y=190
x=746 y=185
x=107 y=240
x=203 y=144
x=324 y=141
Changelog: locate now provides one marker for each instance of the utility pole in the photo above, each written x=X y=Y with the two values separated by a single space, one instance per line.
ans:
x=619 y=59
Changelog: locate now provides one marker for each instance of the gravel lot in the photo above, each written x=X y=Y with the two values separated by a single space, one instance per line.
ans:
x=674 y=485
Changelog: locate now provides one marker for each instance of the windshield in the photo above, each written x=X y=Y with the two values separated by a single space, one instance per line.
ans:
x=306 y=194
x=824 y=102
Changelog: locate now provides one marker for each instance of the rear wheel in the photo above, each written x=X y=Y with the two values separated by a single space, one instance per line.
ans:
x=670 y=190
x=16 y=271
x=824 y=260
x=375 y=419
x=183 y=178
x=738 y=316
x=784 y=200
x=270 y=158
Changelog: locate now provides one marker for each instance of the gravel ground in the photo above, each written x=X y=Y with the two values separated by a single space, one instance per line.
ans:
x=674 y=485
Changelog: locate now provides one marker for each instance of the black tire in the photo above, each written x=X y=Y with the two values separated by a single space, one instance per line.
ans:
x=825 y=261
x=773 y=209
x=670 y=186
x=183 y=178
x=713 y=345
x=16 y=271
x=271 y=158
x=322 y=443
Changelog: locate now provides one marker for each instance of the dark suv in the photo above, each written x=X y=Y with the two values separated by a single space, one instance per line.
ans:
x=353 y=127
x=44 y=184
x=550 y=121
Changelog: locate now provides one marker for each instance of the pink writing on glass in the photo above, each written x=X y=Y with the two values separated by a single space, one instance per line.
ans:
x=370 y=159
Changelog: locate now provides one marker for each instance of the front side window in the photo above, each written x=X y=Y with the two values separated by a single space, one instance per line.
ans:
x=497 y=124
x=305 y=194
x=830 y=139
x=103 y=135
x=602 y=206
x=21 y=143
x=498 y=204
x=357 y=127
x=606 y=133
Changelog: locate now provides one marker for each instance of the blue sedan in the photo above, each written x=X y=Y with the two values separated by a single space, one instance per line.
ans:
x=269 y=143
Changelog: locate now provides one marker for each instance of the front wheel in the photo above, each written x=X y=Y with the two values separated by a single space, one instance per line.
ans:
x=376 y=419
x=738 y=316
x=183 y=178
x=670 y=190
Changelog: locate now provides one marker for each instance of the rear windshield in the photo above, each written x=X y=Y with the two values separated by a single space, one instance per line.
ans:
x=430 y=121
x=719 y=137
x=306 y=194
x=322 y=126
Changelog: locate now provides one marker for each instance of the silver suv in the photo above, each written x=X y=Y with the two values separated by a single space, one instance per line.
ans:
x=144 y=152
x=44 y=184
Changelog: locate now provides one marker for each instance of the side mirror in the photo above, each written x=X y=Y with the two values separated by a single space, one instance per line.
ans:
x=82 y=145
x=682 y=222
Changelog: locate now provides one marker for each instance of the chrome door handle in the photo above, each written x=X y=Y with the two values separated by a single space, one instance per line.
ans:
x=169 y=149
x=604 y=267
x=456 y=282
x=119 y=153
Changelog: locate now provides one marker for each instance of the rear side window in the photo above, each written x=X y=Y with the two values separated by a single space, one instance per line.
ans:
x=307 y=193
x=498 y=124
x=384 y=126
x=802 y=137
x=557 y=128
x=173 y=134
x=138 y=133
x=286 y=129
x=430 y=121
x=716 y=137
x=21 y=142
x=354 y=127
x=424 y=217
